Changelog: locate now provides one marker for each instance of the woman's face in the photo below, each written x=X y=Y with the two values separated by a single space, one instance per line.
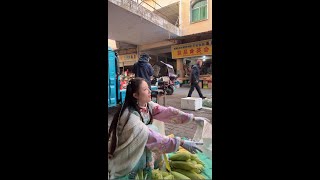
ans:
x=144 y=94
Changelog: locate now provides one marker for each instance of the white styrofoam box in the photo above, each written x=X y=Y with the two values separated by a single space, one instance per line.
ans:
x=191 y=103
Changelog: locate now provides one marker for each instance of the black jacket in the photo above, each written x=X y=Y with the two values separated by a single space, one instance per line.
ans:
x=143 y=69
x=195 y=74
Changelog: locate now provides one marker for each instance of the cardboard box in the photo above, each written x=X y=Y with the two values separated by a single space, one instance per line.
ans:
x=191 y=103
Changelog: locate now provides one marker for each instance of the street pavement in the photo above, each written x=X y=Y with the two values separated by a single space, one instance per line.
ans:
x=174 y=100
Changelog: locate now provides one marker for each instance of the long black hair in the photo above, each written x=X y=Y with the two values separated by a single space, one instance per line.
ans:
x=131 y=103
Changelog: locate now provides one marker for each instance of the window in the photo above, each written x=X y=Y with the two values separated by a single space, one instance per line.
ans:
x=199 y=11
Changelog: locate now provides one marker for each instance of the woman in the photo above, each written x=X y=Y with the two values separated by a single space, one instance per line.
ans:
x=132 y=137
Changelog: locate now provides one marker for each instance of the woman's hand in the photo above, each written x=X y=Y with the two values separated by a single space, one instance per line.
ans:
x=190 y=146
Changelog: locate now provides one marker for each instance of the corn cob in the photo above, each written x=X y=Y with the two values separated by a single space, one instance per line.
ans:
x=193 y=162
x=196 y=170
x=192 y=175
x=182 y=165
x=199 y=167
x=195 y=157
x=139 y=175
x=181 y=149
x=202 y=177
x=179 y=176
x=164 y=173
x=156 y=174
x=181 y=156
x=170 y=176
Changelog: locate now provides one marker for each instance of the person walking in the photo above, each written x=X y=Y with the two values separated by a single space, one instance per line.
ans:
x=143 y=68
x=194 y=79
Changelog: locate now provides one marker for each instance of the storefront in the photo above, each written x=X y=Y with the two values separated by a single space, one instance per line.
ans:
x=126 y=62
x=188 y=54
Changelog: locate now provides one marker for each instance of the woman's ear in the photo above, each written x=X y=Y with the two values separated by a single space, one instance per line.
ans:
x=135 y=95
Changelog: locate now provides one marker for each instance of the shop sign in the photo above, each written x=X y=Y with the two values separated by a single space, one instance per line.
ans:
x=127 y=63
x=128 y=57
x=199 y=48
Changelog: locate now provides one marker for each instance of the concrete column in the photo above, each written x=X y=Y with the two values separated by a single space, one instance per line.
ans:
x=138 y=52
x=180 y=67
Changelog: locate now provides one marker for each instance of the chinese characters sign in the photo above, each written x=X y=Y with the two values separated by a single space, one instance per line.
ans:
x=126 y=63
x=128 y=57
x=199 y=48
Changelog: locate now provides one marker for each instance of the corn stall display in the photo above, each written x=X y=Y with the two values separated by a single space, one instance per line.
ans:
x=184 y=166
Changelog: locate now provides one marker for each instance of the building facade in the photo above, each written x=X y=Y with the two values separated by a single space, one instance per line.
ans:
x=193 y=18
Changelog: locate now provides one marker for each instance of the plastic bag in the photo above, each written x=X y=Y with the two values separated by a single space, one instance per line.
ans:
x=204 y=134
x=160 y=126
x=207 y=103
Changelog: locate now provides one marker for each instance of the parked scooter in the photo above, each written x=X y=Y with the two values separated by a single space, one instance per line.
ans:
x=164 y=78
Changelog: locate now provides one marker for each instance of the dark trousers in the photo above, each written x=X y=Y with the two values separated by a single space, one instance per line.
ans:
x=195 y=85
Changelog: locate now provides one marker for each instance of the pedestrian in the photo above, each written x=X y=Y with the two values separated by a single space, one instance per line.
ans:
x=143 y=68
x=194 y=79
x=134 y=144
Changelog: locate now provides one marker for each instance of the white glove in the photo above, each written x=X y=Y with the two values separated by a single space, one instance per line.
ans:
x=191 y=146
x=200 y=120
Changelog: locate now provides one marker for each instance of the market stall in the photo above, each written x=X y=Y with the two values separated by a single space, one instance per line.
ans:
x=184 y=165
x=187 y=55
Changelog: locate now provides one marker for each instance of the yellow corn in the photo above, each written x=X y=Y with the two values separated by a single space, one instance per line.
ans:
x=192 y=175
x=196 y=170
x=193 y=162
x=181 y=149
x=182 y=165
x=156 y=174
x=170 y=176
x=179 y=176
x=195 y=157
x=200 y=167
x=164 y=173
x=181 y=156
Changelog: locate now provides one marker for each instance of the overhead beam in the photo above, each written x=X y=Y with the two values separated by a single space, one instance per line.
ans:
x=157 y=45
x=159 y=51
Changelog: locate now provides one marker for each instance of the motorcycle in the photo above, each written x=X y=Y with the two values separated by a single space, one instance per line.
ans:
x=164 y=77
